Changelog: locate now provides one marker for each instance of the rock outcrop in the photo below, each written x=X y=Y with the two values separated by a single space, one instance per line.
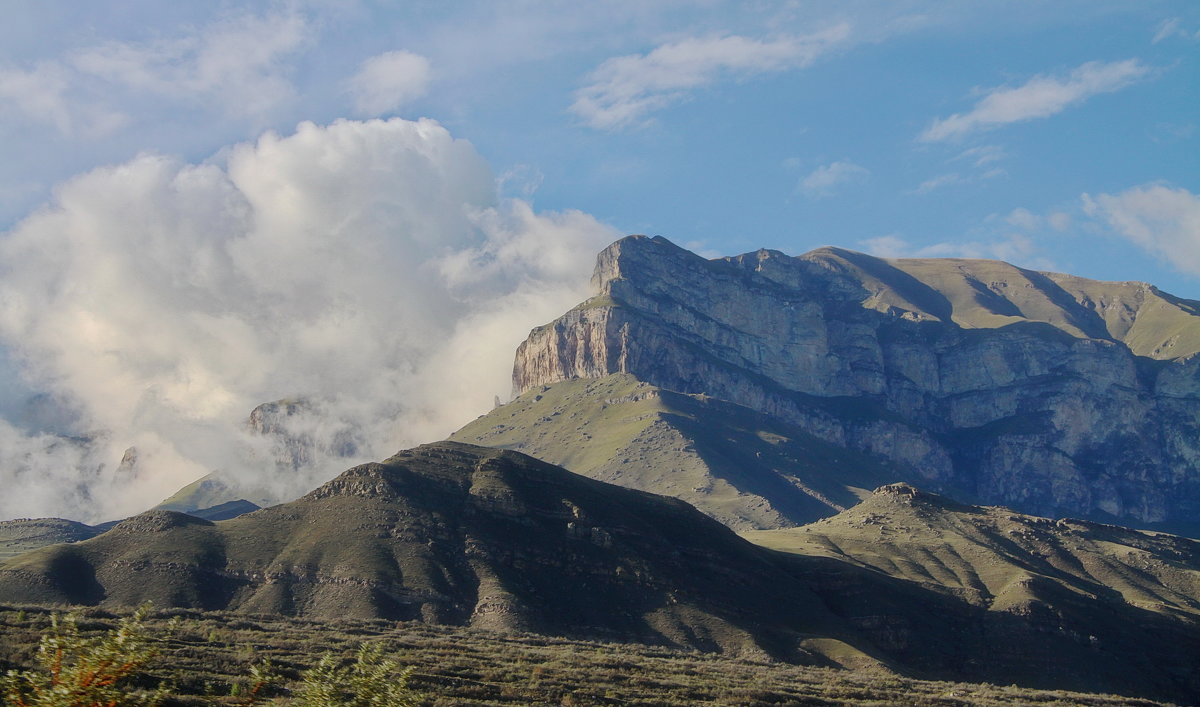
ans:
x=1049 y=393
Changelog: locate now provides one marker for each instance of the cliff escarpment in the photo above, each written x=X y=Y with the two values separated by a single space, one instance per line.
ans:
x=1046 y=392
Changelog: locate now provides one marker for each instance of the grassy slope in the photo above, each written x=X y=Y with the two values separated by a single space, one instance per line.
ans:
x=205 y=492
x=985 y=294
x=19 y=536
x=999 y=559
x=204 y=654
x=459 y=535
x=722 y=458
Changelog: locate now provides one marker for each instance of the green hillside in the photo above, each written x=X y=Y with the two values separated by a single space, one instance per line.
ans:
x=453 y=534
x=743 y=468
x=18 y=536
x=1003 y=560
x=988 y=294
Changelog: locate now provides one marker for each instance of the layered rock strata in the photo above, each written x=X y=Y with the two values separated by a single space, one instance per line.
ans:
x=1053 y=394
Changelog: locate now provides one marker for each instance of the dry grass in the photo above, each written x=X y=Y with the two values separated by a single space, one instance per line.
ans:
x=204 y=654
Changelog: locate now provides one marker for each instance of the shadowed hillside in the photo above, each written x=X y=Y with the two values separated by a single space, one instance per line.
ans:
x=462 y=535
x=1002 y=560
x=452 y=534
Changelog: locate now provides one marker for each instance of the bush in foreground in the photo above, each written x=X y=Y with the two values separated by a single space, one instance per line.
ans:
x=77 y=671
x=370 y=681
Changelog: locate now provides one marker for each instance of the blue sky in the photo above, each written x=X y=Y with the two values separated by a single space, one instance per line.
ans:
x=720 y=151
x=209 y=205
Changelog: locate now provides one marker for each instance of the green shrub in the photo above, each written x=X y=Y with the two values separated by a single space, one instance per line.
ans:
x=370 y=681
x=77 y=671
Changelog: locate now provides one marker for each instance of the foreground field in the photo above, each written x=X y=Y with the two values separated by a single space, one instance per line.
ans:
x=206 y=657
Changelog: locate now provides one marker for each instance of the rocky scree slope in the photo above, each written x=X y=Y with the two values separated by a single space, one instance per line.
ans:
x=1052 y=394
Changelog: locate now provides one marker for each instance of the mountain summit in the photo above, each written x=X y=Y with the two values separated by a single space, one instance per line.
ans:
x=1049 y=393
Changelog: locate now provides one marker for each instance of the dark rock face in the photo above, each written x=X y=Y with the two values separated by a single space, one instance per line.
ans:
x=293 y=426
x=1052 y=394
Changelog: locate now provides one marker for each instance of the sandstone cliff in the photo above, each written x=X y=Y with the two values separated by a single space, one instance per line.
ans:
x=1053 y=394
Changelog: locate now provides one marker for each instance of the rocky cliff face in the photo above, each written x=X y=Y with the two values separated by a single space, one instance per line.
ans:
x=1049 y=393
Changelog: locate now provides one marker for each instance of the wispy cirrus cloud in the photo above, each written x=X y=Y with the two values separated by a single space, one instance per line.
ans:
x=623 y=90
x=981 y=156
x=1039 y=97
x=935 y=183
x=1017 y=248
x=236 y=65
x=43 y=94
x=824 y=180
x=1161 y=220
x=1174 y=28
x=1017 y=237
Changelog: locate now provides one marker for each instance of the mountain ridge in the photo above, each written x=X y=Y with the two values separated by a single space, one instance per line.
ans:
x=861 y=353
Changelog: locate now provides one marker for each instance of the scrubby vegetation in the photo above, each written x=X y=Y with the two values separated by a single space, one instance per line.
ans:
x=77 y=670
x=204 y=658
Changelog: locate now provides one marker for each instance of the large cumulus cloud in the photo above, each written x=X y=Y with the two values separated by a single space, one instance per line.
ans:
x=367 y=266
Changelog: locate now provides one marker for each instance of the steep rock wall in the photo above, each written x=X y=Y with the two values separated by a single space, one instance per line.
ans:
x=993 y=383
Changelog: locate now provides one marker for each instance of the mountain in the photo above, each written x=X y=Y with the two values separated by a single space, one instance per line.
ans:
x=298 y=437
x=464 y=535
x=452 y=534
x=1052 y=394
x=25 y=534
x=746 y=469
x=1001 y=560
x=1061 y=602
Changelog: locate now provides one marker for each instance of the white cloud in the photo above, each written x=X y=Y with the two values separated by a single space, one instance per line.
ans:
x=1159 y=219
x=889 y=246
x=235 y=65
x=1173 y=28
x=521 y=180
x=1024 y=218
x=623 y=90
x=366 y=265
x=42 y=95
x=1016 y=248
x=934 y=183
x=982 y=156
x=387 y=81
x=1040 y=97
x=237 y=61
x=1059 y=221
x=1014 y=238
x=824 y=180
